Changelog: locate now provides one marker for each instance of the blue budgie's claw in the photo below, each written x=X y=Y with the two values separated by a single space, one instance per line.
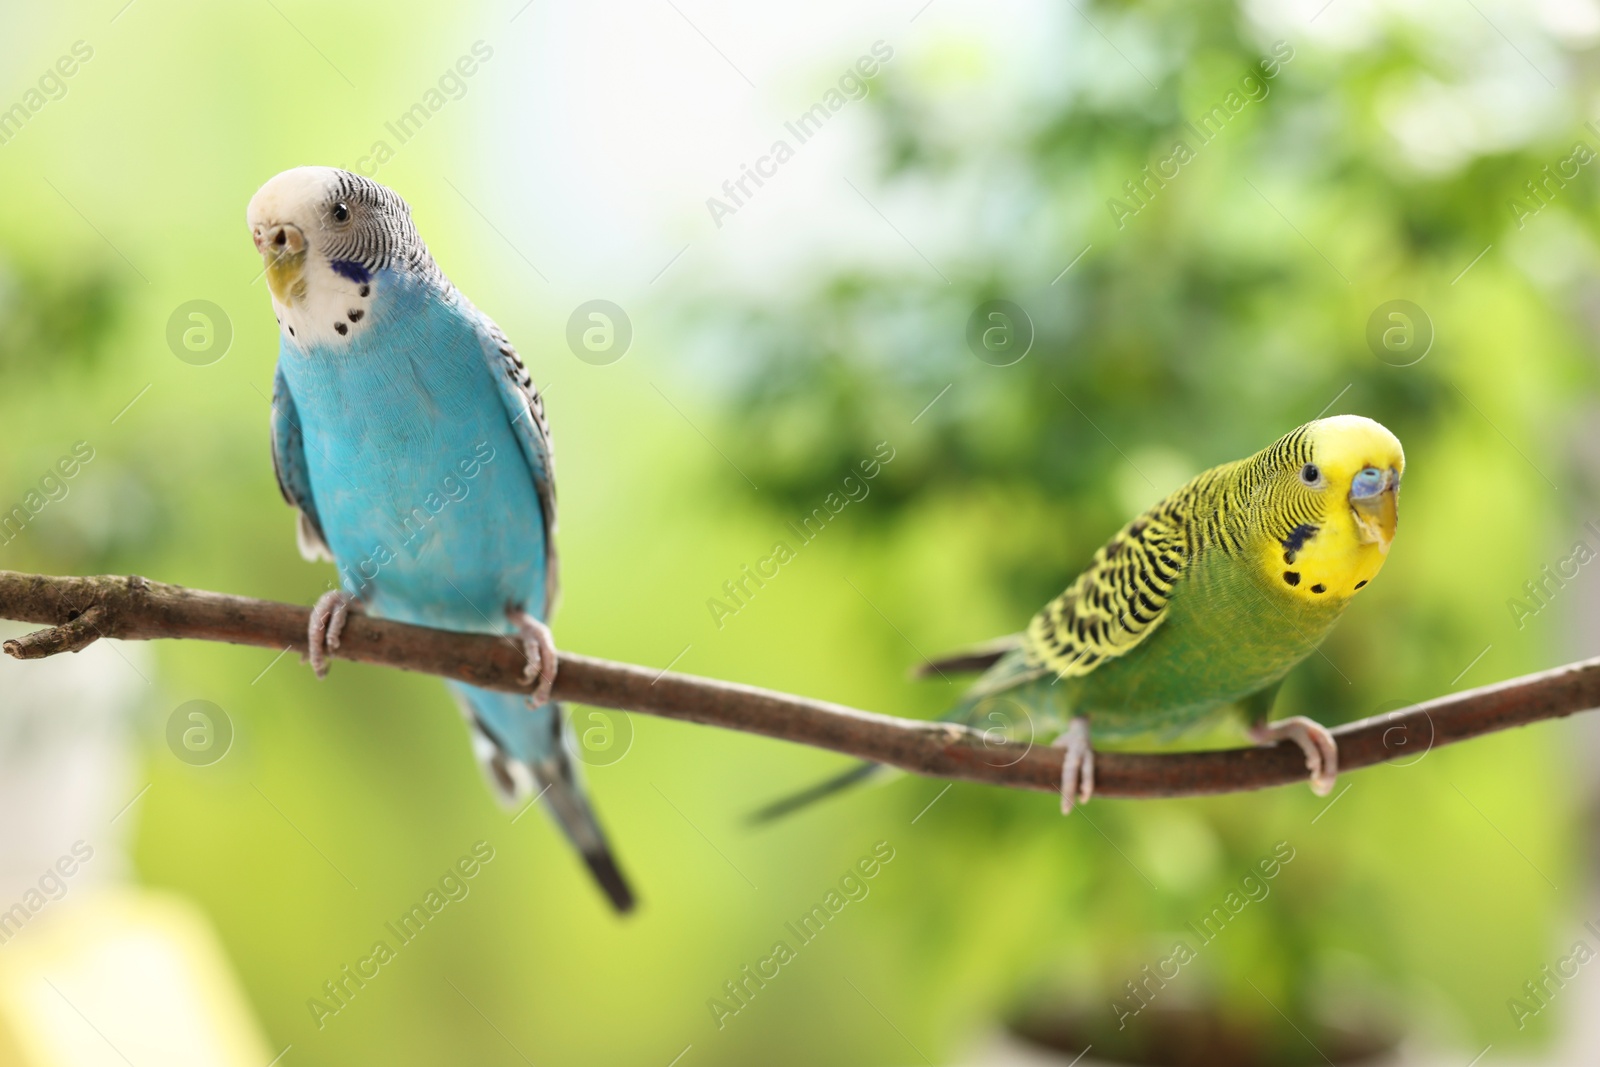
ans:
x=540 y=648
x=327 y=623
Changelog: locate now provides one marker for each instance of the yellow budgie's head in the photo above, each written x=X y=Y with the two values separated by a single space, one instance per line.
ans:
x=1325 y=503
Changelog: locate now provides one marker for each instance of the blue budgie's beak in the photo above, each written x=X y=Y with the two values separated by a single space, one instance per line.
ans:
x=1375 y=503
x=283 y=249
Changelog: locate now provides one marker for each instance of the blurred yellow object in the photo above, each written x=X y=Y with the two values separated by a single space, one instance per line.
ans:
x=123 y=976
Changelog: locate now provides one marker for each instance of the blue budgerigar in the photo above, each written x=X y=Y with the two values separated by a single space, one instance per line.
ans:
x=413 y=442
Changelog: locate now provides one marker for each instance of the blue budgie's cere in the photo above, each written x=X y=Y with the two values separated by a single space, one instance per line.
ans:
x=413 y=443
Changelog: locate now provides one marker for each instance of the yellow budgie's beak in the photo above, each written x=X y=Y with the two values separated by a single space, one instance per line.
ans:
x=1375 y=503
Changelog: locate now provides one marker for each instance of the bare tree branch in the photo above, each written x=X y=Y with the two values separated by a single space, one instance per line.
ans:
x=80 y=610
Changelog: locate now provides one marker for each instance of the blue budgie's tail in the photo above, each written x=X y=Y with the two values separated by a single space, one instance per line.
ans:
x=522 y=754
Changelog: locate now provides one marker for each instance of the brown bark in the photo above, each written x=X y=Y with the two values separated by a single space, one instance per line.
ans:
x=81 y=610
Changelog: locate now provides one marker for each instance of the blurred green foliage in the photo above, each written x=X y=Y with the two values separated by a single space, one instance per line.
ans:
x=52 y=316
x=1230 y=309
x=1206 y=312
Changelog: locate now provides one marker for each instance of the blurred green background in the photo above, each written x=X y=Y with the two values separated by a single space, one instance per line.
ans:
x=775 y=348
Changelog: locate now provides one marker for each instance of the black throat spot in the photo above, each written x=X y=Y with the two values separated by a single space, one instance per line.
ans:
x=1297 y=539
x=352 y=269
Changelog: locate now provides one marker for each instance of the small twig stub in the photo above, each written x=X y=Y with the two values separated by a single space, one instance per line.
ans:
x=81 y=610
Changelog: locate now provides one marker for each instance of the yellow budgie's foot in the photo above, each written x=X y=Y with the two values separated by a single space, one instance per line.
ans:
x=327 y=623
x=1322 y=752
x=540 y=648
x=1077 y=765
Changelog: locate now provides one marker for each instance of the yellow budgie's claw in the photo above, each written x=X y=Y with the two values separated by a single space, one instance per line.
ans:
x=1077 y=764
x=1322 y=752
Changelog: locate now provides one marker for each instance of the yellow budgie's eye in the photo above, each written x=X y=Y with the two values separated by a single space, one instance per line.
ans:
x=1310 y=474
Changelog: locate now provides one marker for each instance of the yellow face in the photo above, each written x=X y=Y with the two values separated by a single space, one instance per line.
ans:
x=1345 y=508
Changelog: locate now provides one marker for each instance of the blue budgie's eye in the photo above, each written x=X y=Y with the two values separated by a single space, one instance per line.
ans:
x=1368 y=482
x=341 y=212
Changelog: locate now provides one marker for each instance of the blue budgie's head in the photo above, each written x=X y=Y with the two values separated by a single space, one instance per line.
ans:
x=325 y=236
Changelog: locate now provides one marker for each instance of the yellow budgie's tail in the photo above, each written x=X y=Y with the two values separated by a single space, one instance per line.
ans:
x=1004 y=667
x=968 y=660
x=821 y=791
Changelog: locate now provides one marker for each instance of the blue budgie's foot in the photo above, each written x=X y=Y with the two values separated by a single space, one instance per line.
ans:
x=1322 y=751
x=540 y=648
x=1077 y=765
x=327 y=623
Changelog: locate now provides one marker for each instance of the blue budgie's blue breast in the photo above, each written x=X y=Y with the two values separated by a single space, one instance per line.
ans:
x=423 y=494
x=411 y=441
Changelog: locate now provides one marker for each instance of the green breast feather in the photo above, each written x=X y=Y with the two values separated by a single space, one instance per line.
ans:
x=1203 y=602
x=1185 y=611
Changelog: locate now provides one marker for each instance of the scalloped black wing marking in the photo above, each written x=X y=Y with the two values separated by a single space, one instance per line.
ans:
x=526 y=409
x=1119 y=599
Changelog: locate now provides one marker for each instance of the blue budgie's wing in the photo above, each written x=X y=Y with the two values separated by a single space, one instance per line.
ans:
x=294 y=481
x=526 y=410
x=503 y=724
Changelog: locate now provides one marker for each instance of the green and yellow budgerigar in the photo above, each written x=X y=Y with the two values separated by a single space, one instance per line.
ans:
x=1202 y=604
